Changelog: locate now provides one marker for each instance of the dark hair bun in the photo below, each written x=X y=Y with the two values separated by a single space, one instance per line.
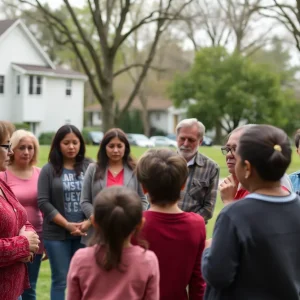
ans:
x=268 y=149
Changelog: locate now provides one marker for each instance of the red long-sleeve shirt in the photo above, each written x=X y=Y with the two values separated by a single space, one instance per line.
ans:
x=178 y=241
x=13 y=273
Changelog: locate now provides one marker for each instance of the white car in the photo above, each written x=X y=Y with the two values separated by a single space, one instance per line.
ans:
x=139 y=140
x=163 y=141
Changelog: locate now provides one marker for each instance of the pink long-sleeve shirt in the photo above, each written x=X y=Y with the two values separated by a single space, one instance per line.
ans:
x=87 y=281
x=26 y=192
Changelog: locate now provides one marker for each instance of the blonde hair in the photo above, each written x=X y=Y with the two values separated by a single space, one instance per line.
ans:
x=6 y=128
x=16 y=138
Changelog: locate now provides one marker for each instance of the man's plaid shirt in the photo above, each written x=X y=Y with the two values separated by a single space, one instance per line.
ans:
x=200 y=192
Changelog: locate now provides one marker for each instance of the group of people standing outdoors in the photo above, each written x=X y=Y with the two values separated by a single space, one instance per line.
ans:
x=118 y=228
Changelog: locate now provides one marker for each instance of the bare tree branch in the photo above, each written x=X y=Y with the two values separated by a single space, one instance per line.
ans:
x=103 y=57
x=87 y=43
x=129 y=67
x=64 y=30
x=287 y=15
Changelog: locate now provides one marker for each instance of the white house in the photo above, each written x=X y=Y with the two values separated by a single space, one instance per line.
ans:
x=161 y=113
x=32 y=89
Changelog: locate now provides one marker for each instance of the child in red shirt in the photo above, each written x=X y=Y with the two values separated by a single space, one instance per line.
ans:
x=176 y=237
x=113 y=268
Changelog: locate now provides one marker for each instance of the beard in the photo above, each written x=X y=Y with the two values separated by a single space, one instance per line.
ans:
x=187 y=153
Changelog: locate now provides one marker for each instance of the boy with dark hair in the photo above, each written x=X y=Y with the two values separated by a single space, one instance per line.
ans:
x=175 y=236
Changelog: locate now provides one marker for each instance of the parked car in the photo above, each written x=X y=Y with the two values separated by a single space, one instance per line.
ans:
x=96 y=137
x=171 y=136
x=206 y=140
x=163 y=141
x=139 y=140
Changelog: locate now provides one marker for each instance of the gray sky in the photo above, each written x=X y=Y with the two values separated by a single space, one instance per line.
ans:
x=278 y=30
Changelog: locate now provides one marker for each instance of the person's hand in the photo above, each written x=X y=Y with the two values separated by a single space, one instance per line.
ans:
x=85 y=225
x=208 y=243
x=33 y=239
x=28 y=258
x=228 y=188
x=75 y=229
x=45 y=256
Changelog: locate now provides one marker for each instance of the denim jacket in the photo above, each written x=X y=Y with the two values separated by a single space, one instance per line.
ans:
x=295 y=179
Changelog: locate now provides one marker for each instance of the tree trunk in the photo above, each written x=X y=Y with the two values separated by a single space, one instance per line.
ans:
x=108 y=112
x=108 y=120
x=109 y=104
x=145 y=115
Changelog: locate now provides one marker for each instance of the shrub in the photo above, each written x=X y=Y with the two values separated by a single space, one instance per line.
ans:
x=85 y=135
x=46 y=138
x=157 y=131
x=24 y=126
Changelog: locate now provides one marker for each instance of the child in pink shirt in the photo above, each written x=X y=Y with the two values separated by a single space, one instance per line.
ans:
x=112 y=268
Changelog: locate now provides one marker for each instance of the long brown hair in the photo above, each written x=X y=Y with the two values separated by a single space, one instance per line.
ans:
x=102 y=158
x=117 y=213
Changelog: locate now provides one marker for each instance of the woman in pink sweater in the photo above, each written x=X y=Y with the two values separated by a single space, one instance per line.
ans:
x=22 y=177
x=112 y=268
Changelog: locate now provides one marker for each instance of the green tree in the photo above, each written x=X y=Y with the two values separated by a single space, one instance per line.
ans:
x=223 y=90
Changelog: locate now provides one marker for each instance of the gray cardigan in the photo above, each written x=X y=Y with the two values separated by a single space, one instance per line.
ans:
x=51 y=201
x=91 y=188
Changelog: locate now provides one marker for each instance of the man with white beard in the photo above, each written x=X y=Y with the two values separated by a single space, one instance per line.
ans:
x=200 y=192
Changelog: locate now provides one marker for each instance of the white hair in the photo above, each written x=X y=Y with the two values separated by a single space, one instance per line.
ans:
x=190 y=123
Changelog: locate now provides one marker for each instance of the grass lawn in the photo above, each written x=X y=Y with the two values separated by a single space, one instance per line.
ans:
x=43 y=286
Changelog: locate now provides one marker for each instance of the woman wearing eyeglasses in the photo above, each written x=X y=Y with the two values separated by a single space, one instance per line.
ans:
x=22 y=174
x=230 y=188
x=18 y=239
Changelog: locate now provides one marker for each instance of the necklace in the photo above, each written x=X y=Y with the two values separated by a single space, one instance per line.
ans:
x=115 y=172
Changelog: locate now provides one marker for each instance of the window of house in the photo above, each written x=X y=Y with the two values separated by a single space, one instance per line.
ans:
x=157 y=115
x=68 y=87
x=18 y=84
x=35 y=85
x=1 y=84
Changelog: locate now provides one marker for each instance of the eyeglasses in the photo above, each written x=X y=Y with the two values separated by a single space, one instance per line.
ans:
x=7 y=147
x=225 y=150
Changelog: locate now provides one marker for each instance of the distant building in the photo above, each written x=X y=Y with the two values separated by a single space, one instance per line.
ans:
x=32 y=89
x=162 y=114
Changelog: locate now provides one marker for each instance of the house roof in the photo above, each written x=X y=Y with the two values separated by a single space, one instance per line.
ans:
x=5 y=24
x=48 y=71
x=153 y=104
x=9 y=25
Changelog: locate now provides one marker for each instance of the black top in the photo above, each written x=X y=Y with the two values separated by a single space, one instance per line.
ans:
x=255 y=254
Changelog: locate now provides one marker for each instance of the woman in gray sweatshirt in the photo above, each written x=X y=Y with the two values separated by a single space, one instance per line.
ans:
x=59 y=191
